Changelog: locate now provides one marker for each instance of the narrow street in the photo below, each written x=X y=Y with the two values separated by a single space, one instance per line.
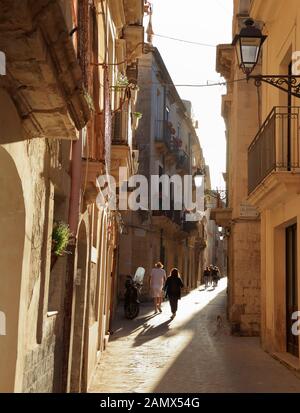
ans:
x=192 y=353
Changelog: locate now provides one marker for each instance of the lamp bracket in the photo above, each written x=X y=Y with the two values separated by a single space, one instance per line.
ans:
x=288 y=84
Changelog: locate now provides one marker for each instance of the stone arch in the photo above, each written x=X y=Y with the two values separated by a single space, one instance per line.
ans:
x=10 y=125
x=79 y=310
x=12 y=238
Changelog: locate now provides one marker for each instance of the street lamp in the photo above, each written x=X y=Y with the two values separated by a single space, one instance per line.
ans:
x=248 y=44
x=198 y=177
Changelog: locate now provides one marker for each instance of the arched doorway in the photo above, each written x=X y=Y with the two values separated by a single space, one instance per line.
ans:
x=12 y=236
x=80 y=300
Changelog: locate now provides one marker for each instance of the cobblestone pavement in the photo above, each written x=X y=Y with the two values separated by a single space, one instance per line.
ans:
x=192 y=353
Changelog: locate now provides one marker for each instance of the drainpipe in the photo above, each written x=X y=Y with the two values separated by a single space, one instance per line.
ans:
x=74 y=211
x=75 y=196
x=74 y=208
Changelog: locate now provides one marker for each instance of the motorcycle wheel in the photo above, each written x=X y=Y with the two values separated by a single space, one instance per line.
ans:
x=132 y=310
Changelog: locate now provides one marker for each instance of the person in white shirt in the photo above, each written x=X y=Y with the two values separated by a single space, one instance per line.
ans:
x=157 y=280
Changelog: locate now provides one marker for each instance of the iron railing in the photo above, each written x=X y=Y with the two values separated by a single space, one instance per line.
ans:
x=120 y=128
x=183 y=160
x=275 y=147
x=164 y=135
x=216 y=198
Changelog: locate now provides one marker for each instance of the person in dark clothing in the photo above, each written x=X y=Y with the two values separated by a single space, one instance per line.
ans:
x=206 y=276
x=172 y=289
x=215 y=276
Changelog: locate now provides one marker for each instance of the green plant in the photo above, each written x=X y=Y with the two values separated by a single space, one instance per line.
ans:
x=138 y=115
x=89 y=101
x=60 y=238
x=121 y=83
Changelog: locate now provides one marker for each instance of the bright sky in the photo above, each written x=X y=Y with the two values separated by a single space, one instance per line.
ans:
x=206 y=22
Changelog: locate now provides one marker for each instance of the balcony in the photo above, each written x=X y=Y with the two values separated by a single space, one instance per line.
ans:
x=120 y=128
x=183 y=161
x=220 y=213
x=134 y=11
x=171 y=214
x=121 y=149
x=164 y=139
x=134 y=36
x=91 y=170
x=273 y=158
x=191 y=227
x=45 y=80
x=169 y=220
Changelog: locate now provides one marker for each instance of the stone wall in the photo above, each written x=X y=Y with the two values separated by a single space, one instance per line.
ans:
x=40 y=362
x=40 y=168
x=244 y=309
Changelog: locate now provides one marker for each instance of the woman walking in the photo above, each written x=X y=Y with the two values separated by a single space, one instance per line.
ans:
x=173 y=288
x=157 y=280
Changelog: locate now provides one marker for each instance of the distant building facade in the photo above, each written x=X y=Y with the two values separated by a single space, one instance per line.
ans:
x=168 y=145
x=70 y=78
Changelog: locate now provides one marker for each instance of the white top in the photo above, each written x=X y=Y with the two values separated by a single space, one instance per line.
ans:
x=158 y=277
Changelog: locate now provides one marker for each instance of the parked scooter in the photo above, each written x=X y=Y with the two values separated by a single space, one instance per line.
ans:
x=133 y=286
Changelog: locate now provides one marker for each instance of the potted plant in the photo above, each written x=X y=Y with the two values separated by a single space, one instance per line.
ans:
x=121 y=83
x=136 y=116
x=61 y=235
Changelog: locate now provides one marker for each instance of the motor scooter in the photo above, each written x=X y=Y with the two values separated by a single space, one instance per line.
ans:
x=133 y=286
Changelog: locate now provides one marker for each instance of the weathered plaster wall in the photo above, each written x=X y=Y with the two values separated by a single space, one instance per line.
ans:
x=28 y=326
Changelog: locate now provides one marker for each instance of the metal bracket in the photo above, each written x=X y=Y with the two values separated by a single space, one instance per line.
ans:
x=288 y=84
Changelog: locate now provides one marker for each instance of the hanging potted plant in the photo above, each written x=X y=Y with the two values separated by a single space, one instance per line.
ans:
x=61 y=235
x=136 y=116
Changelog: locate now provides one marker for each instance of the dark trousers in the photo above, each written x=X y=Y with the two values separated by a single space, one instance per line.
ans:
x=173 y=304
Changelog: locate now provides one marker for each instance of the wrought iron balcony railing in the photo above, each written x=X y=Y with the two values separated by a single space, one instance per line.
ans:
x=216 y=198
x=183 y=160
x=163 y=134
x=120 y=128
x=275 y=147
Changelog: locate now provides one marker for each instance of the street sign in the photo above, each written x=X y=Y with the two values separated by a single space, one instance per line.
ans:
x=248 y=211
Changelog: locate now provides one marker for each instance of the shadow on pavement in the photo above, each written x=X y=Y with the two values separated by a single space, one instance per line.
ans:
x=150 y=332
x=214 y=361
x=195 y=354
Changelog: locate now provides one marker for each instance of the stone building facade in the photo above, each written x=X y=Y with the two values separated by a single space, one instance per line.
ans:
x=58 y=100
x=273 y=186
x=240 y=221
x=168 y=145
x=263 y=179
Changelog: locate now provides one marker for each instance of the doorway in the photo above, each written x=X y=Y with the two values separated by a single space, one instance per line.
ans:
x=12 y=239
x=80 y=298
x=292 y=341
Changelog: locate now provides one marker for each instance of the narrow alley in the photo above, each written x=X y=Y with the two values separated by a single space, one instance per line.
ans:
x=193 y=353
x=149 y=148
